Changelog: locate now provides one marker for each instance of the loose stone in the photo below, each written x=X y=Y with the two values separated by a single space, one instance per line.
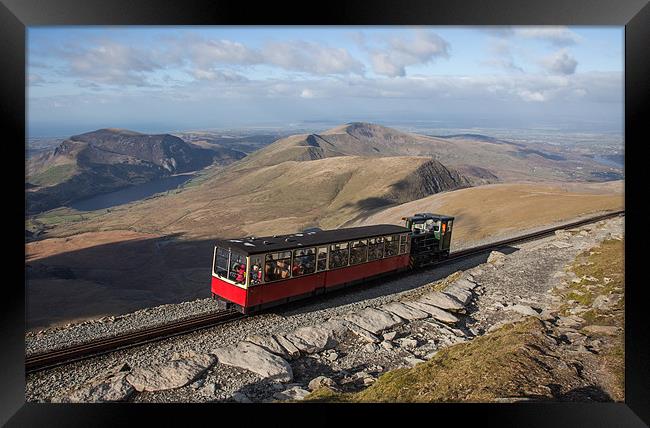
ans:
x=256 y=359
x=174 y=374
x=373 y=320
x=403 y=311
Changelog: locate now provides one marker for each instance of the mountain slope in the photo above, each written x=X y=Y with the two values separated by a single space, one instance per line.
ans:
x=282 y=198
x=498 y=209
x=108 y=159
x=355 y=139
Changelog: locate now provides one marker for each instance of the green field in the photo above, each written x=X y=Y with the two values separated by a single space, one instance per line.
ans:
x=54 y=175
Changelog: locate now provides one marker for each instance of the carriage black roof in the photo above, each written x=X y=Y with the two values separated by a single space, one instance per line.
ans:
x=427 y=216
x=265 y=244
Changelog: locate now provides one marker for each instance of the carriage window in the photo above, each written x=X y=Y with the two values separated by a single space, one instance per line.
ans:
x=390 y=245
x=221 y=262
x=375 y=248
x=419 y=227
x=339 y=255
x=359 y=252
x=403 y=244
x=237 y=271
x=449 y=225
x=256 y=270
x=276 y=266
x=304 y=261
x=322 y=259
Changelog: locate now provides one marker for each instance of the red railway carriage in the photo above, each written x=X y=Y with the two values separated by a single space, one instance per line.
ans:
x=258 y=272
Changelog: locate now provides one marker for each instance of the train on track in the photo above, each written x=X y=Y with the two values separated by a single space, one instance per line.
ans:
x=253 y=273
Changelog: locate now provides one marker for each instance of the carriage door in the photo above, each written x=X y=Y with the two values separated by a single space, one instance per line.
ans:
x=321 y=268
x=255 y=279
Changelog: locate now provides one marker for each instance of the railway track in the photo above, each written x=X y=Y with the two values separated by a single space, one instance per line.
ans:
x=49 y=359
x=457 y=255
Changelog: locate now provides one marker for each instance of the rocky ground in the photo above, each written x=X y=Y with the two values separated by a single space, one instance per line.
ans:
x=344 y=341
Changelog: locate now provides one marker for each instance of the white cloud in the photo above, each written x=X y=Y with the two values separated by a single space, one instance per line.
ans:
x=392 y=59
x=558 y=36
x=307 y=93
x=111 y=63
x=205 y=71
x=534 y=96
x=311 y=58
x=220 y=75
x=560 y=62
x=205 y=52
x=108 y=62
x=528 y=88
x=383 y=64
x=501 y=56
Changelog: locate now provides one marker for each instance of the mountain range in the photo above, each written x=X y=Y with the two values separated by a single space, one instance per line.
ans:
x=331 y=178
x=108 y=159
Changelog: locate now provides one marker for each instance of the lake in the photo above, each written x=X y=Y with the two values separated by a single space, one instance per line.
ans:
x=129 y=194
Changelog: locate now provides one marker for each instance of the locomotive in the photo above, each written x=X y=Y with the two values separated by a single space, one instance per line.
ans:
x=254 y=273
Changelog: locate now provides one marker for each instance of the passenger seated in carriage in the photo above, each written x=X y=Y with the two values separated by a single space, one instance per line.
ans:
x=240 y=273
x=282 y=270
x=256 y=275
x=270 y=267
x=298 y=268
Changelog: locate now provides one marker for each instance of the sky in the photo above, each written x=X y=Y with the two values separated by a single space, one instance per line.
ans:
x=161 y=79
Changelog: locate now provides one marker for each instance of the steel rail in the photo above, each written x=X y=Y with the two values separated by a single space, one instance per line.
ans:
x=56 y=357
x=53 y=358
x=457 y=255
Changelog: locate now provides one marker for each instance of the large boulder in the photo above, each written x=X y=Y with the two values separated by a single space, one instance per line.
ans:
x=251 y=357
x=113 y=387
x=269 y=343
x=436 y=313
x=571 y=321
x=464 y=284
x=403 y=311
x=173 y=374
x=321 y=381
x=361 y=333
x=291 y=351
x=373 y=320
x=523 y=310
x=463 y=296
x=602 y=329
x=311 y=339
x=240 y=397
x=605 y=302
x=293 y=393
x=336 y=328
x=316 y=338
x=442 y=301
x=496 y=258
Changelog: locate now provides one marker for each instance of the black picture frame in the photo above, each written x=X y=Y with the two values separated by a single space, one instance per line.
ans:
x=16 y=15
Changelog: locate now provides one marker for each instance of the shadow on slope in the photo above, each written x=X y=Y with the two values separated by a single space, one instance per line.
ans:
x=116 y=278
